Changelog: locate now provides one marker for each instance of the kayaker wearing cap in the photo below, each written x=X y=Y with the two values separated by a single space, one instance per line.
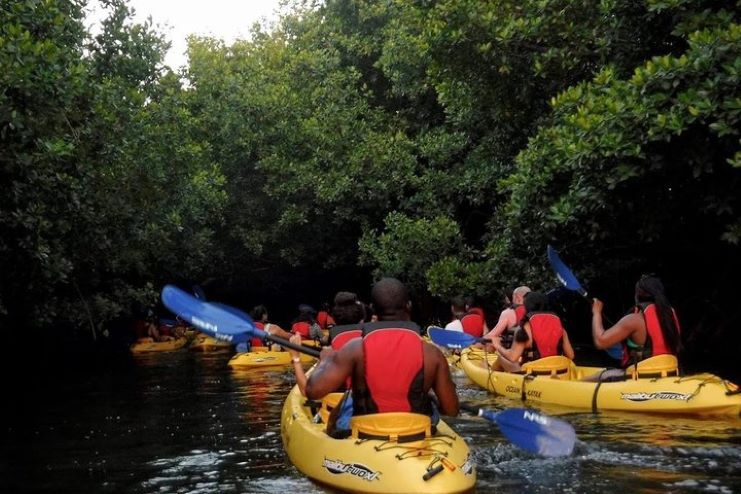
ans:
x=391 y=367
x=652 y=329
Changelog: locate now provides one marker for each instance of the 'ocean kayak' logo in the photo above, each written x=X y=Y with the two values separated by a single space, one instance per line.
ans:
x=659 y=395
x=337 y=467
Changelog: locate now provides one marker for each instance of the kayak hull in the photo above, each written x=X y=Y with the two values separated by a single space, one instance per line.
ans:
x=372 y=465
x=205 y=343
x=147 y=345
x=264 y=359
x=698 y=394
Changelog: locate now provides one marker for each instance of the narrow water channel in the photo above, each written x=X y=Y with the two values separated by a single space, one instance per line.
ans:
x=183 y=422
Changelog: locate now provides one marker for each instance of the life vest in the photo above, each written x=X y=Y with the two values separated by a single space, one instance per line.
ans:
x=519 y=313
x=473 y=323
x=655 y=343
x=393 y=355
x=339 y=335
x=303 y=328
x=547 y=333
x=255 y=341
x=324 y=319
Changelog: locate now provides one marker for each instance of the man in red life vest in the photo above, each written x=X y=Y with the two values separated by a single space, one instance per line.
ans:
x=392 y=368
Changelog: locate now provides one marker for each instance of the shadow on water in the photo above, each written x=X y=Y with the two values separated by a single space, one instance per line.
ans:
x=183 y=422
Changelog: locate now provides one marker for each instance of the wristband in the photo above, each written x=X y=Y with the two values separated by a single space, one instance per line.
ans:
x=296 y=360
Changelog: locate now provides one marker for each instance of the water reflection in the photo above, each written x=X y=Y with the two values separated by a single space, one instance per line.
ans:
x=183 y=422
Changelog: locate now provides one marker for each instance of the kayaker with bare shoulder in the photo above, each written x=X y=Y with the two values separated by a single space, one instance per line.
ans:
x=651 y=330
x=391 y=367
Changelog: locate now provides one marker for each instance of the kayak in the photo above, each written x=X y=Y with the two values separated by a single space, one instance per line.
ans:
x=262 y=357
x=403 y=457
x=205 y=343
x=654 y=387
x=146 y=345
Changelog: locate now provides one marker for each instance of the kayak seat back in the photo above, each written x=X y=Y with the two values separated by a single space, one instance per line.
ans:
x=556 y=366
x=399 y=427
x=653 y=367
x=329 y=402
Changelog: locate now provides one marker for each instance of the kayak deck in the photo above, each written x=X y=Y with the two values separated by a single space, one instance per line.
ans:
x=440 y=463
x=698 y=394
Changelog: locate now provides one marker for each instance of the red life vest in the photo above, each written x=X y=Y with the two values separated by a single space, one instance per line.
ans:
x=655 y=343
x=255 y=341
x=394 y=370
x=324 y=319
x=473 y=323
x=519 y=313
x=303 y=328
x=340 y=335
x=547 y=334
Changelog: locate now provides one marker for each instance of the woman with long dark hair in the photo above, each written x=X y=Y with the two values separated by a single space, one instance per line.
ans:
x=652 y=329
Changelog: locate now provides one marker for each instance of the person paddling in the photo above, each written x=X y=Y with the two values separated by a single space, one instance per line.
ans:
x=391 y=367
x=651 y=329
x=509 y=318
x=348 y=314
x=541 y=334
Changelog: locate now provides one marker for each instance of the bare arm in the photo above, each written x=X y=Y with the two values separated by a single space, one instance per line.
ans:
x=630 y=325
x=275 y=330
x=442 y=383
x=514 y=352
x=568 y=350
x=332 y=370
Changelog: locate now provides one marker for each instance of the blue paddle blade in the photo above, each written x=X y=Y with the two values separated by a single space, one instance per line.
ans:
x=533 y=431
x=455 y=340
x=213 y=320
x=563 y=273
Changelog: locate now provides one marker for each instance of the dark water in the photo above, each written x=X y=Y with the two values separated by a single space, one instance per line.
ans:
x=185 y=423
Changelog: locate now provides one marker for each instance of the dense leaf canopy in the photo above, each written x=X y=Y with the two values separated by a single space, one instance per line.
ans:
x=444 y=142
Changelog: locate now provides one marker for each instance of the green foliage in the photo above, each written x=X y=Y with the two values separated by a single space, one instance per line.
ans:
x=108 y=192
x=409 y=247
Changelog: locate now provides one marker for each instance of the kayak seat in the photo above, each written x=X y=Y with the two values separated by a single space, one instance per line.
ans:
x=392 y=426
x=329 y=402
x=556 y=366
x=653 y=367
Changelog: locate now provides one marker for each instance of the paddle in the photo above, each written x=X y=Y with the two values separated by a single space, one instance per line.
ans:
x=569 y=281
x=530 y=430
x=455 y=340
x=220 y=321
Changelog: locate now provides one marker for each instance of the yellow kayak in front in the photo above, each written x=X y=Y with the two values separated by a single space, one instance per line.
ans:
x=426 y=463
x=265 y=358
x=205 y=343
x=657 y=391
x=146 y=345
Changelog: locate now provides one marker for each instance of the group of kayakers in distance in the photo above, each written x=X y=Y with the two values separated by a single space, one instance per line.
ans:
x=528 y=330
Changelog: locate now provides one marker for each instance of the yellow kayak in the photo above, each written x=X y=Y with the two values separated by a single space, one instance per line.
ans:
x=145 y=345
x=407 y=459
x=205 y=343
x=654 y=387
x=262 y=357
